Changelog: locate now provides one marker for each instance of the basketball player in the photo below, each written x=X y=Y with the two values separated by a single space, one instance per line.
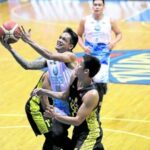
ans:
x=60 y=66
x=85 y=102
x=96 y=29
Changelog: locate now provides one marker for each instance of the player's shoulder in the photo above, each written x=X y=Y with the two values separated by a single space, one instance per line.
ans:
x=91 y=98
x=92 y=94
x=70 y=54
x=85 y=18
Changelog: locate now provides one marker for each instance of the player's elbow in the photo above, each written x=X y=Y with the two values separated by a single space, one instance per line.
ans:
x=77 y=124
x=64 y=95
x=119 y=34
x=26 y=67
x=78 y=121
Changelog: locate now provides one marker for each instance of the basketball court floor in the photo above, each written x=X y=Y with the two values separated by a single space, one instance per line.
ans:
x=125 y=111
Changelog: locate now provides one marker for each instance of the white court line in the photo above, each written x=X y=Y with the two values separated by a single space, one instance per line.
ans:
x=103 y=118
x=126 y=132
x=105 y=129
x=12 y=115
x=8 y=127
x=126 y=120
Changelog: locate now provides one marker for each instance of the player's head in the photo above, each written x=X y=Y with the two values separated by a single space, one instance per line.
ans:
x=98 y=6
x=67 y=40
x=100 y=0
x=88 y=67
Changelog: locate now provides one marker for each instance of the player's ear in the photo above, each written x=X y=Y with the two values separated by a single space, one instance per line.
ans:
x=71 y=46
x=86 y=71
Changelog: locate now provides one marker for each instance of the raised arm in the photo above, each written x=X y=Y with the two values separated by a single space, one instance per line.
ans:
x=64 y=57
x=34 y=65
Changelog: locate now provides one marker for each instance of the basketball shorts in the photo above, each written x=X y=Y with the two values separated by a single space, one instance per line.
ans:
x=88 y=141
x=34 y=112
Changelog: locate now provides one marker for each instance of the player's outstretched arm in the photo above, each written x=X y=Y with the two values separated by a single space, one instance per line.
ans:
x=25 y=36
x=37 y=64
x=64 y=57
x=56 y=95
x=49 y=93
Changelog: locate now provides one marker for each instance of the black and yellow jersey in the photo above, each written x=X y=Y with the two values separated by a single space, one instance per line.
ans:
x=88 y=135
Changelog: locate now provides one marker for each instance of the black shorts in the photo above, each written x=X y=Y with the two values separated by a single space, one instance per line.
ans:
x=83 y=140
x=34 y=112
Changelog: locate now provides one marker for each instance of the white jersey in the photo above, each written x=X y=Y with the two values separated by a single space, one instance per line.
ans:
x=59 y=76
x=97 y=35
x=97 y=31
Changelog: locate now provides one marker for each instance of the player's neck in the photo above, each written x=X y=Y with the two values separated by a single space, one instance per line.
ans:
x=98 y=17
x=84 y=83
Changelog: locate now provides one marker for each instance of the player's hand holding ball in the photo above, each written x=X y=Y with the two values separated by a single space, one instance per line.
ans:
x=10 y=32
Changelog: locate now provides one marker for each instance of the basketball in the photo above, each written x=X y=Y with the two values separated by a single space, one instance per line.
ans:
x=10 y=32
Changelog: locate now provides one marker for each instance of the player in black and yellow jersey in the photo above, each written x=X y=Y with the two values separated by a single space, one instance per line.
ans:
x=85 y=102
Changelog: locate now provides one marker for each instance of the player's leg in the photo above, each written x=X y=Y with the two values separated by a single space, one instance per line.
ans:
x=60 y=135
x=45 y=101
x=34 y=111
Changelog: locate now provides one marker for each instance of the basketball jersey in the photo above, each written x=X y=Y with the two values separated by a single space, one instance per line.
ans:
x=59 y=76
x=97 y=35
x=90 y=129
x=97 y=31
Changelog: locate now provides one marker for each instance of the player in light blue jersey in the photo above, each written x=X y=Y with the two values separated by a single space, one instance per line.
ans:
x=60 y=66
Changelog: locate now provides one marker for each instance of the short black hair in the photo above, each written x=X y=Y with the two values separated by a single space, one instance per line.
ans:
x=102 y=0
x=92 y=63
x=74 y=36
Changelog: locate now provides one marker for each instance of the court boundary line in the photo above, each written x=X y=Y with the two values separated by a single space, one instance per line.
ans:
x=105 y=129
x=17 y=126
x=103 y=118
x=125 y=119
x=126 y=132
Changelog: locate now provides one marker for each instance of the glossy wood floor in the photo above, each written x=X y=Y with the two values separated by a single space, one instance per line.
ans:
x=126 y=108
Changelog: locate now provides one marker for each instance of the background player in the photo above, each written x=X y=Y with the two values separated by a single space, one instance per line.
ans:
x=96 y=29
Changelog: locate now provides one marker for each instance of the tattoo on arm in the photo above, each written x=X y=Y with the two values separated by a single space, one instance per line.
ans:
x=37 y=64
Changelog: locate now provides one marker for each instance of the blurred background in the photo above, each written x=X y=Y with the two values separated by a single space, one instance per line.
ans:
x=125 y=112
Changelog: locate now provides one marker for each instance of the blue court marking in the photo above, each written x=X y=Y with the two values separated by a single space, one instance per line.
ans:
x=129 y=67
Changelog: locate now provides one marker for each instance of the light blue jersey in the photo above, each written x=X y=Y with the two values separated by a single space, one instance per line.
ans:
x=59 y=76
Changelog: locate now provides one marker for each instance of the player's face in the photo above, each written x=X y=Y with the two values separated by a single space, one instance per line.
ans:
x=98 y=7
x=63 y=43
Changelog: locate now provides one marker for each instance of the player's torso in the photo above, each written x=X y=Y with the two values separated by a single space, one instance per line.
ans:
x=97 y=36
x=59 y=76
x=75 y=101
x=97 y=31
